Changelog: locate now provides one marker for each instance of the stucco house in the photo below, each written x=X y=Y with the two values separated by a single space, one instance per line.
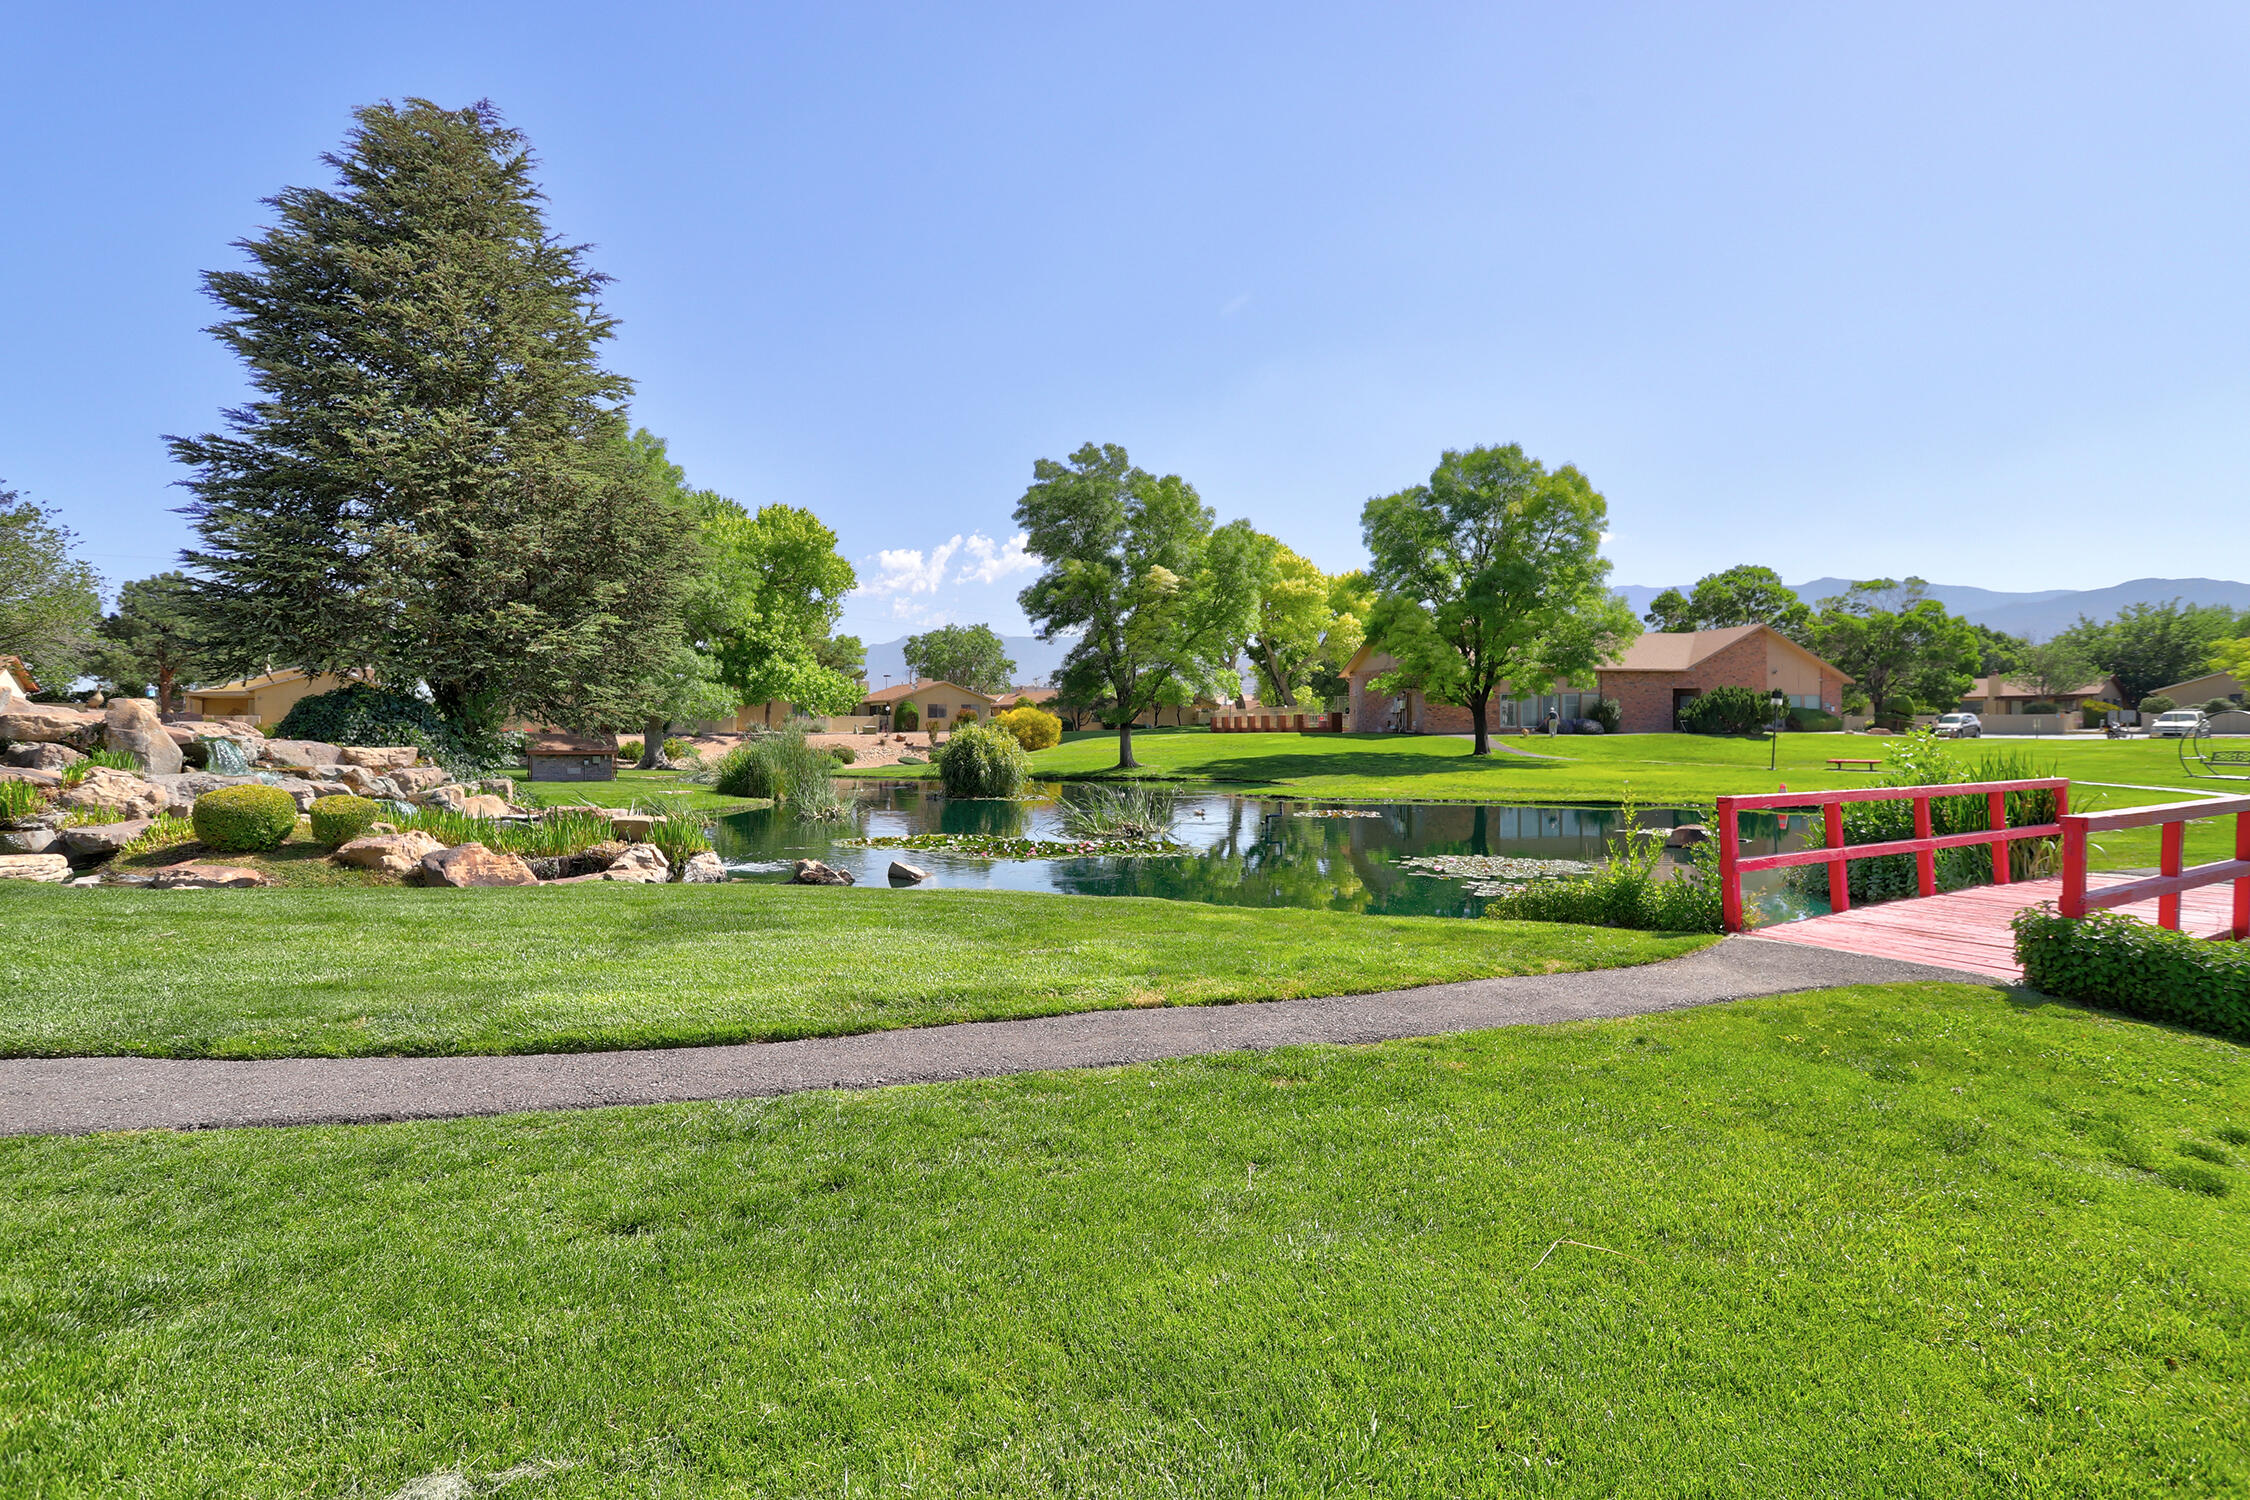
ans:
x=1998 y=695
x=942 y=704
x=2193 y=693
x=16 y=678
x=1665 y=670
x=265 y=698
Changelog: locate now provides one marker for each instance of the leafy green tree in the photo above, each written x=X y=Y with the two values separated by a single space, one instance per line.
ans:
x=50 y=600
x=2053 y=668
x=434 y=480
x=777 y=584
x=1743 y=595
x=2148 y=646
x=153 y=637
x=1160 y=593
x=970 y=656
x=843 y=653
x=1290 y=629
x=1895 y=641
x=1491 y=574
x=2232 y=657
x=1997 y=651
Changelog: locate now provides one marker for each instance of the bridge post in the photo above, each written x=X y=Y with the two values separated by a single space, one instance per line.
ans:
x=1839 y=878
x=2073 y=903
x=2242 y=886
x=2171 y=849
x=1730 y=874
x=1996 y=804
x=1925 y=858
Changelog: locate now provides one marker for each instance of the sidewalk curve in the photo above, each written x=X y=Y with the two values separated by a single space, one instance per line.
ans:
x=77 y=1095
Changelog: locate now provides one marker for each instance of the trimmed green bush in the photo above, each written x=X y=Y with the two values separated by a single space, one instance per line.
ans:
x=1731 y=709
x=245 y=819
x=1814 y=721
x=983 y=760
x=907 y=717
x=1607 y=712
x=1034 y=728
x=2156 y=703
x=844 y=754
x=336 y=821
x=2122 y=963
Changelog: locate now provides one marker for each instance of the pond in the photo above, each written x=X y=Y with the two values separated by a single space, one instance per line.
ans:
x=1242 y=850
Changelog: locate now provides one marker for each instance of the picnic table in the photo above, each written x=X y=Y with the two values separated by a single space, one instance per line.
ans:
x=1855 y=762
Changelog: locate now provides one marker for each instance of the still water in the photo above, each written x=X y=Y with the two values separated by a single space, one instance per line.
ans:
x=1243 y=851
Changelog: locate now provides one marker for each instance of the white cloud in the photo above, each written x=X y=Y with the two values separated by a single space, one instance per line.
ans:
x=908 y=570
x=995 y=560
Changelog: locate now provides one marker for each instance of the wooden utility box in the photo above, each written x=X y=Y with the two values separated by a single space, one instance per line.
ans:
x=572 y=757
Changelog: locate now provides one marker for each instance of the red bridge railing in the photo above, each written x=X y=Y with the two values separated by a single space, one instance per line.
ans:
x=1835 y=853
x=2165 y=886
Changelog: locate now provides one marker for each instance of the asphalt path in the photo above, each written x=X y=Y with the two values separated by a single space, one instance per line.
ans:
x=80 y=1095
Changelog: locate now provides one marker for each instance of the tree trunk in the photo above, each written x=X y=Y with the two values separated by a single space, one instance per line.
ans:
x=164 y=704
x=1477 y=705
x=652 y=744
x=1125 y=761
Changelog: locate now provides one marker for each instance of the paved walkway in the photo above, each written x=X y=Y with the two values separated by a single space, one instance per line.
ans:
x=71 y=1096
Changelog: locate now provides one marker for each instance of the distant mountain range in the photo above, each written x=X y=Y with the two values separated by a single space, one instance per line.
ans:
x=1034 y=659
x=2035 y=616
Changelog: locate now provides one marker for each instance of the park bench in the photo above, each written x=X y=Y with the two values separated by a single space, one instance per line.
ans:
x=1855 y=762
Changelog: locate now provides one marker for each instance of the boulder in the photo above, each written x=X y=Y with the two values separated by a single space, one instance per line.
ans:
x=34 y=777
x=813 y=872
x=449 y=797
x=412 y=779
x=129 y=795
x=194 y=876
x=42 y=757
x=378 y=757
x=52 y=868
x=633 y=827
x=642 y=862
x=131 y=725
x=482 y=806
x=354 y=775
x=1686 y=836
x=28 y=840
x=389 y=853
x=704 y=868
x=473 y=864
x=903 y=873
x=503 y=787
x=299 y=753
x=49 y=723
x=91 y=843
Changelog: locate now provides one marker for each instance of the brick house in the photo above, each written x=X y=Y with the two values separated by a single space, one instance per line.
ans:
x=1370 y=712
x=1657 y=676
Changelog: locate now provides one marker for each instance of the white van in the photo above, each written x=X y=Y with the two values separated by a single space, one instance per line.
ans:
x=2179 y=724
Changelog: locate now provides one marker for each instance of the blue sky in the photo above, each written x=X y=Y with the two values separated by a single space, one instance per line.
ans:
x=1958 y=290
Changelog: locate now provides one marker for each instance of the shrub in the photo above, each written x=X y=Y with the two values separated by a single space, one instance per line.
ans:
x=2093 y=712
x=2218 y=705
x=2123 y=963
x=1814 y=720
x=2157 y=703
x=1034 y=728
x=2041 y=706
x=629 y=749
x=1136 y=812
x=781 y=766
x=844 y=755
x=20 y=799
x=983 y=760
x=245 y=819
x=682 y=750
x=1725 y=710
x=1607 y=712
x=359 y=713
x=907 y=717
x=336 y=821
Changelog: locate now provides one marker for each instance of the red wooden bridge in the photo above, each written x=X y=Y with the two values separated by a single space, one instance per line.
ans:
x=1968 y=929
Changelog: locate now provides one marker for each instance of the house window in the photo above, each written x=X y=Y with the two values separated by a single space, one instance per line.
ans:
x=937 y=710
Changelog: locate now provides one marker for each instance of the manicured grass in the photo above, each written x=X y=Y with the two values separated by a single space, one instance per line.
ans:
x=652 y=791
x=396 y=970
x=1909 y=1241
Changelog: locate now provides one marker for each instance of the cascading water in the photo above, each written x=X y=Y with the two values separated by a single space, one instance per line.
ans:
x=225 y=758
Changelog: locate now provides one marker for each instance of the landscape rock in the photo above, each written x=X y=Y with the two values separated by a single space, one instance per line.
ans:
x=633 y=827
x=482 y=806
x=42 y=757
x=194 y=876
x=378 y=757
x=51 y=868
x=642 y=862
x=28 y=840
x=411 y=779
x=449 y=797
x=704 y=868
x=503 y=787
x=131 y=725
x=903 y=873
x=813 y=872
x=48 y=723
x=300 y=753
x=28 y=774
x=90 y=843
x=131 y=796
x=389 y=853
x=473 y=864
x=1687 y=836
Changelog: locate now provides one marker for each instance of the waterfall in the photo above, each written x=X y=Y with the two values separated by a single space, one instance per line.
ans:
x=224 y=758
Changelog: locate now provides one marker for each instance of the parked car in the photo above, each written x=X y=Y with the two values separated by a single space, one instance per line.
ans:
x=2179 y=724
x=1958 y=727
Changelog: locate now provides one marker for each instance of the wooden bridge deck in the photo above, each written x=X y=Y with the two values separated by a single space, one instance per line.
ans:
x=1969 y=929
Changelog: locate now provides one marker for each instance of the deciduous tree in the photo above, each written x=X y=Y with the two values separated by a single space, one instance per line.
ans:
x=1743 y=595
x=2148 y=646
x=2053 y=668
x=1895 y=641
x=153 y=637
x=433 y=479
x=50 y=599
x=1162 y=595
x=1492 y=574
x=970 y=656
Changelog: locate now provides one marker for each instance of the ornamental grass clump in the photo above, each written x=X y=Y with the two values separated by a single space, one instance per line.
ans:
x=20 y=799
x=781 y=765
x=336 y=821
x=983 y=760
x=244 y=819
x=1630 y=890
x=1131 y=813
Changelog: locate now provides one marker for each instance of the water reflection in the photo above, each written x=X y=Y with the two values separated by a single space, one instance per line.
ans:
x=1244 y=851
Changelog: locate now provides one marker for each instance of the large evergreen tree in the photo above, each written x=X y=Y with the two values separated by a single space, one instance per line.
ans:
x=434 y=479
x=153 y=638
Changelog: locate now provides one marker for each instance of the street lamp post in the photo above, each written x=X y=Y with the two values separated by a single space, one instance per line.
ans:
x=1780 y=701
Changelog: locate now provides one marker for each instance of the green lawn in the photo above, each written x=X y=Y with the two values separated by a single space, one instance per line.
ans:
x=393 y=970
x=653 y=791
x=1909 y=1241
